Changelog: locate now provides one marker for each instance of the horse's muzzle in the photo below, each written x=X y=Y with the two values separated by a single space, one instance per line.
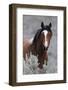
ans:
x=45 y=48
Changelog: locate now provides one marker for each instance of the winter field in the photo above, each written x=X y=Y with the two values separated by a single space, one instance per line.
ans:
x=31 y=25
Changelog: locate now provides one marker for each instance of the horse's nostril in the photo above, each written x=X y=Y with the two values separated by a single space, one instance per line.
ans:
x=46 y=48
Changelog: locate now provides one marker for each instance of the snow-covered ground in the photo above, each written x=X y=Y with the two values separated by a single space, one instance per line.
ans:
x=31 y=66
x=31 y=25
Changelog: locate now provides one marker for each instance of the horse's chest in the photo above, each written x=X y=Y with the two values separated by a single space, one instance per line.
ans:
x=43 y=56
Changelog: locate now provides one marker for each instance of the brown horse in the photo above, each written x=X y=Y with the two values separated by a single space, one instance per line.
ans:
x=39 y=45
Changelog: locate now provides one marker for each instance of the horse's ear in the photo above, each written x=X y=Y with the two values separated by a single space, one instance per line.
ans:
x=42 y=25
x=50 y=25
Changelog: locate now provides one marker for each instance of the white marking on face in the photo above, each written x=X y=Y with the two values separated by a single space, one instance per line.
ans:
x=31 y=40
x=46 y=42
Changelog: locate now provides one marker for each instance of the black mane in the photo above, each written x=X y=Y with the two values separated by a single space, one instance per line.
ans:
x=37 y=35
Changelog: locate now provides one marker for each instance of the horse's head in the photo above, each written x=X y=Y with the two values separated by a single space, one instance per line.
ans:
x=42 y=38
x=46 y=35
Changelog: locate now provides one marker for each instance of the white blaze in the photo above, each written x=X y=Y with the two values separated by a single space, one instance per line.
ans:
x=46 y=42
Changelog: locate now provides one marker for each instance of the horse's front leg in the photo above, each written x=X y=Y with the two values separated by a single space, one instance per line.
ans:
x=40 y=62
x=46 y=58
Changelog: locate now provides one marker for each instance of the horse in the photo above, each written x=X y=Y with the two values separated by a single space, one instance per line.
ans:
x=39 y=45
